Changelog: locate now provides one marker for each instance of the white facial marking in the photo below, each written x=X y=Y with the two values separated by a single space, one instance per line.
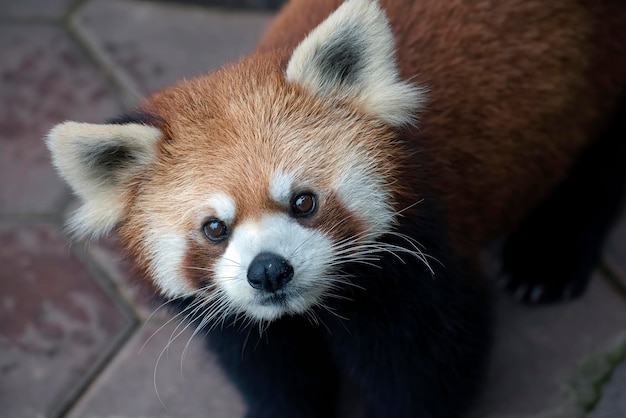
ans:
x=166 y=251
x=280 y=187
x=307 y=250
x=363 y=192
x=224 y=207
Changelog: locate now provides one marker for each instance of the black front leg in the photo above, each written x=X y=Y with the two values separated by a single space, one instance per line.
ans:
x=552 y=254
x=285 y=371
x=417 y=345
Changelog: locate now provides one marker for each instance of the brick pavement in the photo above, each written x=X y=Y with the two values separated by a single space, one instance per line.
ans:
x=72 y=322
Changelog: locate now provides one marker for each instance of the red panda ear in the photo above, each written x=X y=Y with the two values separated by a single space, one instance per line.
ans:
x=351 y=54
x=95 y=160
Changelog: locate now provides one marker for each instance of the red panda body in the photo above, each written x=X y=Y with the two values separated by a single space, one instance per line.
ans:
x=516 y=91
x=318 y=208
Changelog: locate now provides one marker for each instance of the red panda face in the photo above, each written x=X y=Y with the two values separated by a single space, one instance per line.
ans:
x=259 y=195
x=251 y=188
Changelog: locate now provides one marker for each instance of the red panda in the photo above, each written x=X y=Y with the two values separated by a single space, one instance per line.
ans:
x=319 y=207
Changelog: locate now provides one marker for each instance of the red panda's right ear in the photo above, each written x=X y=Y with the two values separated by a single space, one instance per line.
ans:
x=351 y=54
x=95 y=160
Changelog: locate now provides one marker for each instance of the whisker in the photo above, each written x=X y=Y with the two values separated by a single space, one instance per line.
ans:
x=211 y=308
x=173 y=318
x=412 y=205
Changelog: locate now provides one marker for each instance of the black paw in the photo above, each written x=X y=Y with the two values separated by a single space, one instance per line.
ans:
x=534 y=291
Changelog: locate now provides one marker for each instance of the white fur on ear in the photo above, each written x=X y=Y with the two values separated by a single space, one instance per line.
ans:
x=352 y=54
x=95 y=159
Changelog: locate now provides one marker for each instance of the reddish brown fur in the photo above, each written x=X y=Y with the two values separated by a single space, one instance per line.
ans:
x=517 y=90
x=230 y=131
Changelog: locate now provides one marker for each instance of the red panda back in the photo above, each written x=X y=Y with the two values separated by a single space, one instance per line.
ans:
x=517 y=89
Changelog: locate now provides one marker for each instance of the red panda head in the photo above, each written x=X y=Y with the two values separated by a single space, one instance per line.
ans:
x=249 y=188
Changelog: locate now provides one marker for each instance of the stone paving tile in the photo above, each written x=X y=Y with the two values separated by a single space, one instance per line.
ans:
x=44 y=79
x=236 y=4
x=156 y=44
x=56 y=322
x=539 y=351
x=38 y=9
x=192 y=387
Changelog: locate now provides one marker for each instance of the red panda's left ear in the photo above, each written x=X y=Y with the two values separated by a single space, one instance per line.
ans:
x=351 y=54
x=96 y=160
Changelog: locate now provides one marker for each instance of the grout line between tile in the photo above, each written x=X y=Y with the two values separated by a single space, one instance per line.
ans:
x=111 y=364
x=128 y=91
x=104 y=281
x=594 y=373
x=65 y=402
x=613 y=275
x=78 y=4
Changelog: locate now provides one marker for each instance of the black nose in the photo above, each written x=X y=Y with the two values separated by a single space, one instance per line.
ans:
x=269 y=271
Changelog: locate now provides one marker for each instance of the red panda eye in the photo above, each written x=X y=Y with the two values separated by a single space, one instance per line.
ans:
x=303 y=204
x=215 y=230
